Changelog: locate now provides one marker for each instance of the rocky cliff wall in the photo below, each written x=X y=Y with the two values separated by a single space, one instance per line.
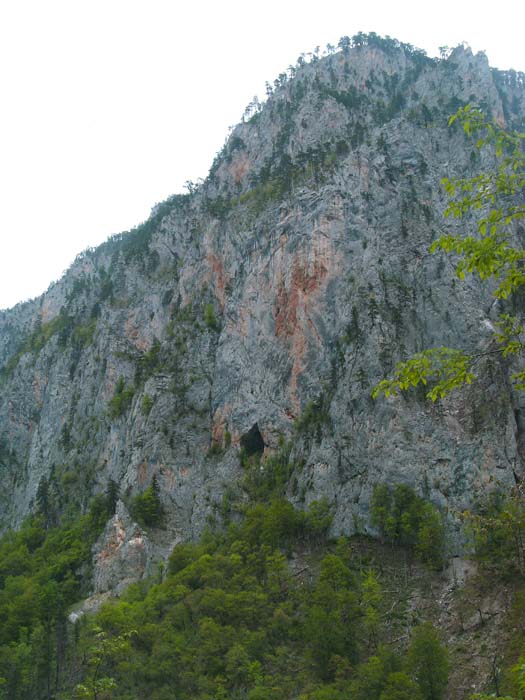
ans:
x=267 y=303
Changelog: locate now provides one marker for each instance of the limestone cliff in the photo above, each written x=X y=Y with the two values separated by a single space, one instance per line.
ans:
x=263 y=306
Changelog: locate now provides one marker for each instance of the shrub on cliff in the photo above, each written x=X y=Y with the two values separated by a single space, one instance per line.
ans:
x=146 y=508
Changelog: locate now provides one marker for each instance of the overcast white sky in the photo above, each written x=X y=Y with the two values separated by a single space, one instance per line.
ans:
x=108 y=106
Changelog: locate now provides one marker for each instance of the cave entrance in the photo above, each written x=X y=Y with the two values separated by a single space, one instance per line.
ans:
x=252 y=442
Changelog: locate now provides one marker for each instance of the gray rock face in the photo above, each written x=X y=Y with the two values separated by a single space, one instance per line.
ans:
x=121 y=554
x=286 y=285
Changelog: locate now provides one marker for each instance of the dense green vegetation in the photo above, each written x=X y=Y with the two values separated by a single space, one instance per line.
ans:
x=121 y=400
x=146 y=507
x=231 y=619
x=406 y=519
x=210 y=319
x=233 y=616
x=498 y=533
x=43 y=570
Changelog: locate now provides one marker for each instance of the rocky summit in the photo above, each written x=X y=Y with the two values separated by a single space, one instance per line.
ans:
x=255 y=314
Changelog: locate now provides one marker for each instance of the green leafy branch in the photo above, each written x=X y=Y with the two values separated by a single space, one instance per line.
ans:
x=496 y=192
x=445 y=367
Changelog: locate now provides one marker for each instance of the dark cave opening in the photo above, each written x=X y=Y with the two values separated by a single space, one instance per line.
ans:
x=252 y=442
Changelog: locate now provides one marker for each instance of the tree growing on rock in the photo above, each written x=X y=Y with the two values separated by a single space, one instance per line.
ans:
x=147 y=508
